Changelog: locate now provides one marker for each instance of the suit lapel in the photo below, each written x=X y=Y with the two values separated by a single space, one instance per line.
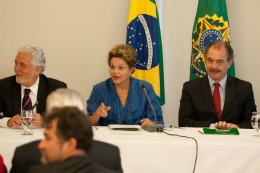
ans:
x=208 y=95
x=16 y=98
x=230 y=88
x=42 y=95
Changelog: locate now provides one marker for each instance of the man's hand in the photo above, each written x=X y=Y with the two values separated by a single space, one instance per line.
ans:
x=145 y=121
x=225 y=125
x=102 y=110
x=14 y=121
x=37 y=119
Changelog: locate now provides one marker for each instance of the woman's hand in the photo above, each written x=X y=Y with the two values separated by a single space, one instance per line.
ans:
x=102 y=110
x=145 y=121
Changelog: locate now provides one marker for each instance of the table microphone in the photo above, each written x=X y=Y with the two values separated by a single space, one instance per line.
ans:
x=152 y=127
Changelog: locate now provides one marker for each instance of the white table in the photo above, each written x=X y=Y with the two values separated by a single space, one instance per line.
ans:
x=158 y=152
x=10 y=138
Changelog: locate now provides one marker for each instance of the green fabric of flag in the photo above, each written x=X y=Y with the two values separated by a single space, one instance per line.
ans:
x=211 y=23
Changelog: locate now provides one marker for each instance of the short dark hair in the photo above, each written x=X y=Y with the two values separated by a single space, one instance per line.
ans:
x=217 y=44
x=125 y=52
x=71 y=122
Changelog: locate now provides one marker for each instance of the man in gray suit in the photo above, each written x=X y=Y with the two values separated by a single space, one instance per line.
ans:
x=68 y=140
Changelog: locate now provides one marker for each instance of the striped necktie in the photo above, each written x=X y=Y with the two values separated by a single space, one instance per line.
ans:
x=27 y=103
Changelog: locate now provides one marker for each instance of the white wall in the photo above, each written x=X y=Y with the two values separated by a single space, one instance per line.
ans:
x=76 y=36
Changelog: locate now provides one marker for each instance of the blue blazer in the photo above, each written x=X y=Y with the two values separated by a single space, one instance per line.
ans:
x=136 y=107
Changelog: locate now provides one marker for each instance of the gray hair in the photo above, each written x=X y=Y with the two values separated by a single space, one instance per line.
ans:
x=218 y=44
x=65 y=97
x=38 y=56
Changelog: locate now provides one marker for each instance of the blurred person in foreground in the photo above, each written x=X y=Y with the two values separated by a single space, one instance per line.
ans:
x=67 y=143
x=217 y=98
x=65 y=97
x=26 y=87
x=104 y=154
x=121 y=99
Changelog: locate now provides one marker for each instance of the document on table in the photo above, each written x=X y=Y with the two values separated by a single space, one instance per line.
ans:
x=119 y=129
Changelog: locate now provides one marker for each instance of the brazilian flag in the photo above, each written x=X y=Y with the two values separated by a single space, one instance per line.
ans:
x=211 y=23
x=143 y=34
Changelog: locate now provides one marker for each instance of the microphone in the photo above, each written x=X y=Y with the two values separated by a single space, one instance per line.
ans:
x=152 y=127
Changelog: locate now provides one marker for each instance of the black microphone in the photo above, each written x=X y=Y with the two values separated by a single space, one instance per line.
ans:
x=152 y=127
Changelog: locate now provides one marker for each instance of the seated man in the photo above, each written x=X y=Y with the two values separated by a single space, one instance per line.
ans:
x=29 y=85
x=68 y=140
x=217 y=97
x=104 y=154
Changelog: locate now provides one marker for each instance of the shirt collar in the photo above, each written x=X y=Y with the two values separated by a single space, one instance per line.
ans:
x=222 y=83
x=33 y=88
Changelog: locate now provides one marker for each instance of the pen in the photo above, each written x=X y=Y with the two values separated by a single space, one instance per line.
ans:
x=200 y=132
x=96 y=127
x=34 y=105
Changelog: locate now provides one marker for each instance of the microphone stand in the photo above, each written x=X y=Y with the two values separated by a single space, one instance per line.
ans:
x=152 y=127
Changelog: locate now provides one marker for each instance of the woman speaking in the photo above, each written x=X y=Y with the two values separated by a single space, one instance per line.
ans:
x=121 y=99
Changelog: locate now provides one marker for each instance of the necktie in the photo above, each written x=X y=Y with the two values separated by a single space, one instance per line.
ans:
x=217 y=101
x=27 y=103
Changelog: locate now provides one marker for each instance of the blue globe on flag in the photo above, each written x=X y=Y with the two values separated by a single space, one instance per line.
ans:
x=144 y=40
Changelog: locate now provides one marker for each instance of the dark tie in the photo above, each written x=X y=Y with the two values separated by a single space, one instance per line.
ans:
x=217 y=101
x=27 y=103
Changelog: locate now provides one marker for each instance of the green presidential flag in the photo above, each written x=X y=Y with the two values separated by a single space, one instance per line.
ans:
x=211 y=23
x=143 y=34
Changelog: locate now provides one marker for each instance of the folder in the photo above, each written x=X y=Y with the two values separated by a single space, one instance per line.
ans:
x=233 y=131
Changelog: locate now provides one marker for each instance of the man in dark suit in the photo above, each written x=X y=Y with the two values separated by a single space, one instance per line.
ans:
x=67 y=143
x=106 y=155
x=217 y=97
x=30 y=63
x=26 y=156
x=102 y=153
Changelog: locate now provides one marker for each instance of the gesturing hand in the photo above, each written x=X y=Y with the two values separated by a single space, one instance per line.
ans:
x=102 y=110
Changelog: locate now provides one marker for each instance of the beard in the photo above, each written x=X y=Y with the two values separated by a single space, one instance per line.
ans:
x=44 y=160
x=47 y=159
x=21 y=79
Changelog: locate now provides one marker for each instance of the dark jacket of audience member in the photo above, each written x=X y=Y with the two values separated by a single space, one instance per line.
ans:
x=102 y=153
